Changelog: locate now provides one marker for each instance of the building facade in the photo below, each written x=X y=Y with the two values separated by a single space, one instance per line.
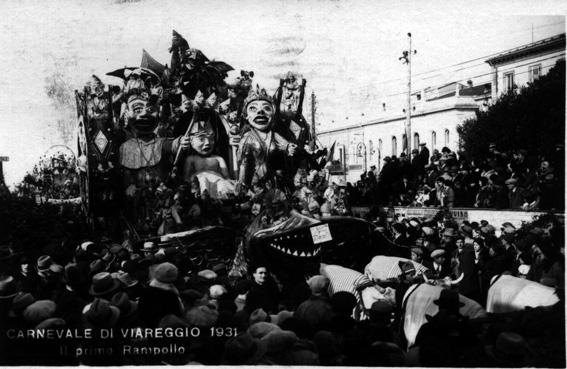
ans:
x=438 y=110
x=518 y=67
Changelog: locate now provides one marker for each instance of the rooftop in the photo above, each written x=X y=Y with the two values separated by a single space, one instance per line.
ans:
x=552 y=43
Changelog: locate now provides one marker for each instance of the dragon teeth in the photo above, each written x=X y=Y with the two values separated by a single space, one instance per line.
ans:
x=302 y=253
x=295 y=253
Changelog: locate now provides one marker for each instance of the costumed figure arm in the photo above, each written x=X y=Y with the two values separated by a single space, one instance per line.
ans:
x=284 y=145
x=246 y=161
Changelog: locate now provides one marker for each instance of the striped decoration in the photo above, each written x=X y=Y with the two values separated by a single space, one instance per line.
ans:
x=344 y=279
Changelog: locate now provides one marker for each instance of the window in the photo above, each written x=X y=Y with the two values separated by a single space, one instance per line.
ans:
x=433 y=140
x=370 y=148
x=415 y=140
x=394 y=146
x=508 y=81
x=404 y=143
x=534 y=72
x=342 y=155
x=447 y=137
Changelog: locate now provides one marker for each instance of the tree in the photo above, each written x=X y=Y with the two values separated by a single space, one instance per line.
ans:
x=533 y=119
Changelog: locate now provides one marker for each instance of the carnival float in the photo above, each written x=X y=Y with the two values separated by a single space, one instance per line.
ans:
x=168 y=135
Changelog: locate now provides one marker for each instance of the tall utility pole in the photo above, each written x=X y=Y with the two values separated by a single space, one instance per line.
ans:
x=313 y=110
x=406 y=57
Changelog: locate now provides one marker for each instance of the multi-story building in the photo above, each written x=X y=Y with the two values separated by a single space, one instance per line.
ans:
x=437 y=111
x=522 y=65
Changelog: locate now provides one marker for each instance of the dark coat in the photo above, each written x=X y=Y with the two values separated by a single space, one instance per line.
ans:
x=266 y=297
x=516 y=198
x=69 y=306
x=155 y=303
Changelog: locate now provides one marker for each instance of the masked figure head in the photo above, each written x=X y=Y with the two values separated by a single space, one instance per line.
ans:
x=142 y=114
x=259 y=110
x=202 y=135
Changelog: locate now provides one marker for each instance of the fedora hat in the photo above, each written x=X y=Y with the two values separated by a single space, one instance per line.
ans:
x=72 y=275
x=258 y=315
x=149 y=246
x=428 y=231
x=202 y=316
x=103 y=284
x=20 y=302
x=449 y=299
x=7 y=287
x=243 y=349
x=97 y=266
x=124 y=304
x=52 y=323
x=510 y=348
x=166 y=273
x=100 y=313
x=207 y=274
x=85 y=245
x=38 y=311
x=450 y=232
x=418 y=251
x=43 y=263
x=437 y=253
x=126 y=279
x=278 y=341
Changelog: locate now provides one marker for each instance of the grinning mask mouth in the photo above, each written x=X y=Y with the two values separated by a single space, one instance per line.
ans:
x=296 y=251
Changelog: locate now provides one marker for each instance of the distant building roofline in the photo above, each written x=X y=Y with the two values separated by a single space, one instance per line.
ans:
x=550 y=43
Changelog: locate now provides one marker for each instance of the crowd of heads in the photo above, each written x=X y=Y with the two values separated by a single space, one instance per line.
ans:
x=252 y=318
x=502 y=180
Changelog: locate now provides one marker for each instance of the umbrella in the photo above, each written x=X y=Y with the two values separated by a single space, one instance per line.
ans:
x=121 y=73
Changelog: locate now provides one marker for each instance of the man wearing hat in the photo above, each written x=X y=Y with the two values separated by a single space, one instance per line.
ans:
x=448 y=238
x=103 y=285
x=69 y=303
x=423 y=155
x=244 y=350
x=149 y=248
x=161 y=297
x=439 y=269
x=417 y=254
x=316 y=310
x=447 y=338
x=516 y=195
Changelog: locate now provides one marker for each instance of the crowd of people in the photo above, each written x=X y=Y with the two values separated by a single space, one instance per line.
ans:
x=250 y=319
x=502 y=180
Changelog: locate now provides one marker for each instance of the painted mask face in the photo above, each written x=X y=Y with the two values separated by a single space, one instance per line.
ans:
x=142 y=114
x=259 y=114
x=203 y=138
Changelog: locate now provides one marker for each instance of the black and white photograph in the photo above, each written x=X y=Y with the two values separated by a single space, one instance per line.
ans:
x=292 y=183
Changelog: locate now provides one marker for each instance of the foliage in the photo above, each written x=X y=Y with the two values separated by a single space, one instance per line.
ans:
x=54 y=176
x=533 y=119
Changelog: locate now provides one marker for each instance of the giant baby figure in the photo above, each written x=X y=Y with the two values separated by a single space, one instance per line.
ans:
x=203 y=162
x=261 y=151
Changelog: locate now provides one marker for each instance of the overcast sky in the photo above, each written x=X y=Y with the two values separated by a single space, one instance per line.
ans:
x=347 y=50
